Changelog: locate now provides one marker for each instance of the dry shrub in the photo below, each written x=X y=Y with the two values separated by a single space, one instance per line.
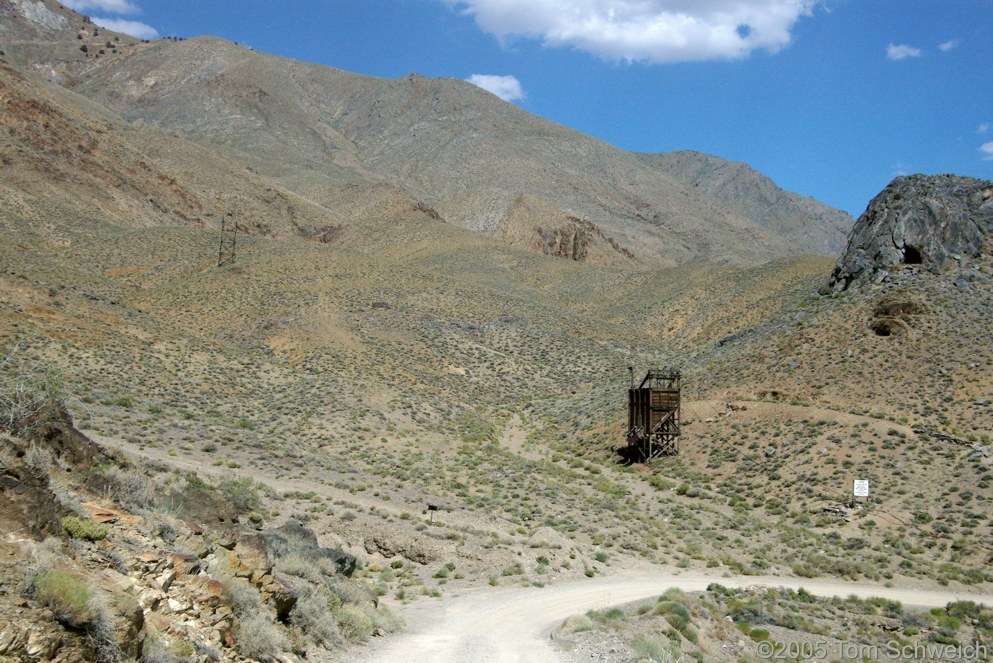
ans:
x=314 y=615
x=129 y=488
x=258 y=636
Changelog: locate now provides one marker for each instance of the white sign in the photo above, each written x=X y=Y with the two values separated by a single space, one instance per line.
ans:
x=861 y=488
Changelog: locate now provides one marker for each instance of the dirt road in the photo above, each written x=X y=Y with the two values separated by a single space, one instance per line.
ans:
x=511 y=625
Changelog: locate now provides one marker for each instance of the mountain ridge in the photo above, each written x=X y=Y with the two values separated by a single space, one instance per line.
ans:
x=767 y=203
x=347 y=140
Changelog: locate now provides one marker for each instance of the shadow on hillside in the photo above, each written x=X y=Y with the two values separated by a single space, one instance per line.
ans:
x=628 y=455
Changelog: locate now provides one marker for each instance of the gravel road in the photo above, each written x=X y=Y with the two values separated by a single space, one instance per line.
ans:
x=510 y=625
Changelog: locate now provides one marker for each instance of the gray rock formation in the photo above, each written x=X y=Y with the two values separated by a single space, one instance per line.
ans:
x=927 y=220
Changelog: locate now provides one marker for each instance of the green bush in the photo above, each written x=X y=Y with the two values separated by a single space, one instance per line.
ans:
x=605 y=615
x=758 y=634
x=444 y=571
x=242 y=494
x=81 y=528
x=659 y=483
x=66 y=595
x=678 y=616
x=675 y=608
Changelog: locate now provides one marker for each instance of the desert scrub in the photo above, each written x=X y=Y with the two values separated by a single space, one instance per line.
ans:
x=305 y=566
x=604 y=616
x=652 y=649
x=66 y=595
x=444 y=571
x=155 y=649
x=7 y=457
x=39 y=460
x=131 y=488
x=576 y=624
x=355 y=623
x=313 y=615
x=243 y=494
x=83 y=528
x=257 y=636
x=678 y=616
x=27 y=390
x=759 y=634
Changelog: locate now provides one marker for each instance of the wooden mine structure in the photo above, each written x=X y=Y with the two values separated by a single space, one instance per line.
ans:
x=653 y=415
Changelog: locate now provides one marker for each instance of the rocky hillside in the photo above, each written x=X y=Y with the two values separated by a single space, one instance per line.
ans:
x=923 y=220
x=126 y=565
x=352 y=144
x=107 y=170
x=55 y=42
x=537 y=226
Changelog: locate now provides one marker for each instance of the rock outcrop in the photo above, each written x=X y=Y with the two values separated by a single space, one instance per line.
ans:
x=917 y=220
x=535 y=225
x=144 y=584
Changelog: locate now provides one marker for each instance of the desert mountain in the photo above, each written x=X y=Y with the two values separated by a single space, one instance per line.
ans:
x=67 y=158
x=350 y=143
x=751 y=194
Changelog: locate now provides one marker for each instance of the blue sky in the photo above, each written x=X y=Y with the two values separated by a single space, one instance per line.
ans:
x=829 y=98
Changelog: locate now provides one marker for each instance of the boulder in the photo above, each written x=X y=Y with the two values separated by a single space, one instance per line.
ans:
x=249 y=557
x=395 y=545
x=926 y=220
x=294 y=537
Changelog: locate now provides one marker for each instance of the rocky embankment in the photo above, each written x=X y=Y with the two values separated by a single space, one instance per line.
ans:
x=103 y=562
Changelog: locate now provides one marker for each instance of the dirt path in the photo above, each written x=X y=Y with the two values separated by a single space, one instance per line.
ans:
x=772 y=410
x=509 y=625
x=460 y=518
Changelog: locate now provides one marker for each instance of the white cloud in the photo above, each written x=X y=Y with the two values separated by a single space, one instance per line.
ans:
x=507 y=88
x=133 y=28
x=986 y=149
x=983 y=129
x=902 y=52
x=948 y=45
x=111 y=6
x=645 y=30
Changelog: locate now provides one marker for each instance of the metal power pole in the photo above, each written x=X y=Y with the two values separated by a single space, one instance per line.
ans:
x=227 y=250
